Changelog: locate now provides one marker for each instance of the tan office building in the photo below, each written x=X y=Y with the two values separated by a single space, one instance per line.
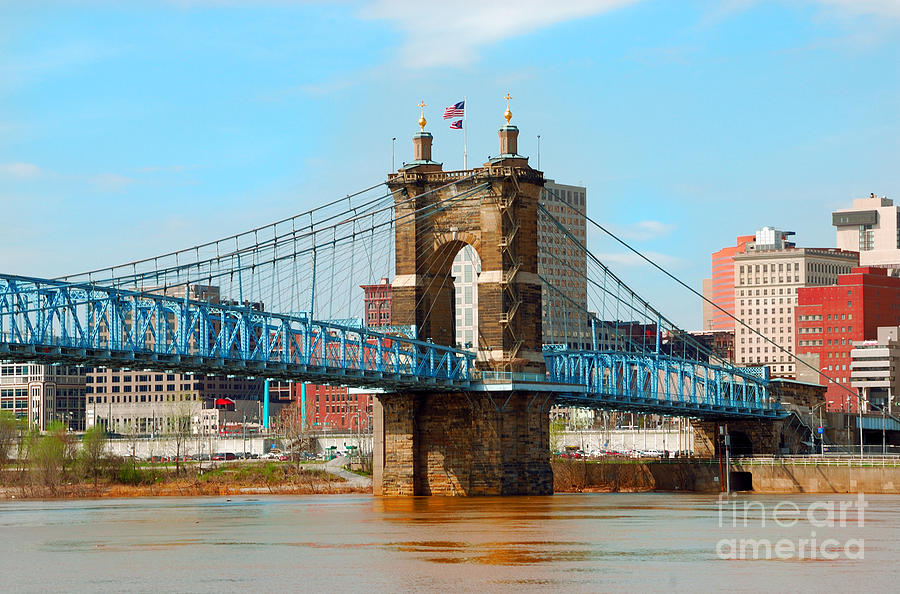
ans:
x=766 y=278
x=42 y=394
x=564 y=316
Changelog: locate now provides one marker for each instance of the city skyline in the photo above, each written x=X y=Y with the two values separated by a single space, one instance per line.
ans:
x=180 y=122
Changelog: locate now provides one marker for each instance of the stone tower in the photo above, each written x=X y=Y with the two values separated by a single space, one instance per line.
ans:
x=486 y=441
x=492 y=208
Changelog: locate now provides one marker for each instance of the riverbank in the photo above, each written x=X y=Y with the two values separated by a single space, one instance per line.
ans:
x=275 y=478
x=788 y=475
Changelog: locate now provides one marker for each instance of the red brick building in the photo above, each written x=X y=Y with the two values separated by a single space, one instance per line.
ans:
x=829 y=319
x=335 y=408
x=377 y=302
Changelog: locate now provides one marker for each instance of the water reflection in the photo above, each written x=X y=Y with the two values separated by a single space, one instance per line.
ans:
x=591 y=542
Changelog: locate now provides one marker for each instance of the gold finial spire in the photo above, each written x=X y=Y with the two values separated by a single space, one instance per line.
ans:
x=508 y=114
x=422 y=120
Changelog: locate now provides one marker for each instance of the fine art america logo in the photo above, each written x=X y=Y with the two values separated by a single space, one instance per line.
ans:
x=822 y=515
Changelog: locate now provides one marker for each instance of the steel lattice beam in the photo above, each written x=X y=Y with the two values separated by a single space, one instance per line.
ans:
x=56 y=322
x=659 y=383
x=51 y=321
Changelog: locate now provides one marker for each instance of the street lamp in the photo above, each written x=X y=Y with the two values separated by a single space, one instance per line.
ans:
x=821 y=427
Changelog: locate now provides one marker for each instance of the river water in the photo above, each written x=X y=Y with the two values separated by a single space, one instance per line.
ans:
x=563 y=543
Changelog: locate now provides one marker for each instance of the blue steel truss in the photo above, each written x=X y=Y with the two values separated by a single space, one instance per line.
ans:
x=50 y=321
x=661 y=384
x=55 y=322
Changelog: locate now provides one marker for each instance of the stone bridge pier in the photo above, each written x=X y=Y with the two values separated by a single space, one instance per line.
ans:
x=472 y=443
x=748 y=438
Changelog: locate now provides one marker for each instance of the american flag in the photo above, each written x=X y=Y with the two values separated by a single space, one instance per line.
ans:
x=457 y=125
x=457 y=110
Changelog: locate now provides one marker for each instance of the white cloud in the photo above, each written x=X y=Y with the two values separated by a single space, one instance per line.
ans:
x=163 y=169
x=62 y=60
x=632 y=259
x=440 y=34
x=643 y=230
x=886 y=8
x=20 y=170
x=110 y=182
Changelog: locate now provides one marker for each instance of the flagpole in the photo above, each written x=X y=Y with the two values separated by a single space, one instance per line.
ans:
x=465 y=133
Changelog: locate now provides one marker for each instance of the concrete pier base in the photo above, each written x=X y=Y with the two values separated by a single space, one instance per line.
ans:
x=463 y=443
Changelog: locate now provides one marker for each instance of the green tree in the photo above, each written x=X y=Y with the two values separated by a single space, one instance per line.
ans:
x=49 y=455
x=93 y=451
x=10 y=428
x=557 y=428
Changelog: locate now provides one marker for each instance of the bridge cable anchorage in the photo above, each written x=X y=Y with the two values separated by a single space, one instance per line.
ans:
x=860 y=397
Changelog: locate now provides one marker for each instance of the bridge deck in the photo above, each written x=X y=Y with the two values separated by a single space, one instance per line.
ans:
x=55 y=322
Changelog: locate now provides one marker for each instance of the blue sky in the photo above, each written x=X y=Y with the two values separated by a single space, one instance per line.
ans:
x=131 y=128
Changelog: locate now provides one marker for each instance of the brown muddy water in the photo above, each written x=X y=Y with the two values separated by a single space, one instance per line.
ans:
x=622 y=542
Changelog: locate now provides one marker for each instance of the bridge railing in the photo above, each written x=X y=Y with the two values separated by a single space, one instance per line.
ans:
x=507 y=377
x=662 y=378
x=108 y=324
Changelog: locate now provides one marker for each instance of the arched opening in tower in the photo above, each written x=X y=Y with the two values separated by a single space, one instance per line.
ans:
x=465 y=271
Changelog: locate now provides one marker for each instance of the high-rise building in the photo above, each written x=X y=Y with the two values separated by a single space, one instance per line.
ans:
x=720 y=287
x=767 y=277
x=564 y=313
x=43 y=394
x=830 y=319
x=871 y=227
x=875 y=369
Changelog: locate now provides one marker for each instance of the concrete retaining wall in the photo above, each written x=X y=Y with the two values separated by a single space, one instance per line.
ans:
x=795 y=478
x=703 y=476
x=580 y=475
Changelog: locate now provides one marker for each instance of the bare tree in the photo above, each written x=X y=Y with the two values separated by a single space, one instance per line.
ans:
x=180 y=425
x=291 y=421
x=131 y=432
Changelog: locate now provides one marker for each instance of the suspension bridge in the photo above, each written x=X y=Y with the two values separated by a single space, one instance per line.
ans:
x=281 y=301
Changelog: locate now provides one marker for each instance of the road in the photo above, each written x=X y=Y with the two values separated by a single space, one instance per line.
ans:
x=335 y=467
